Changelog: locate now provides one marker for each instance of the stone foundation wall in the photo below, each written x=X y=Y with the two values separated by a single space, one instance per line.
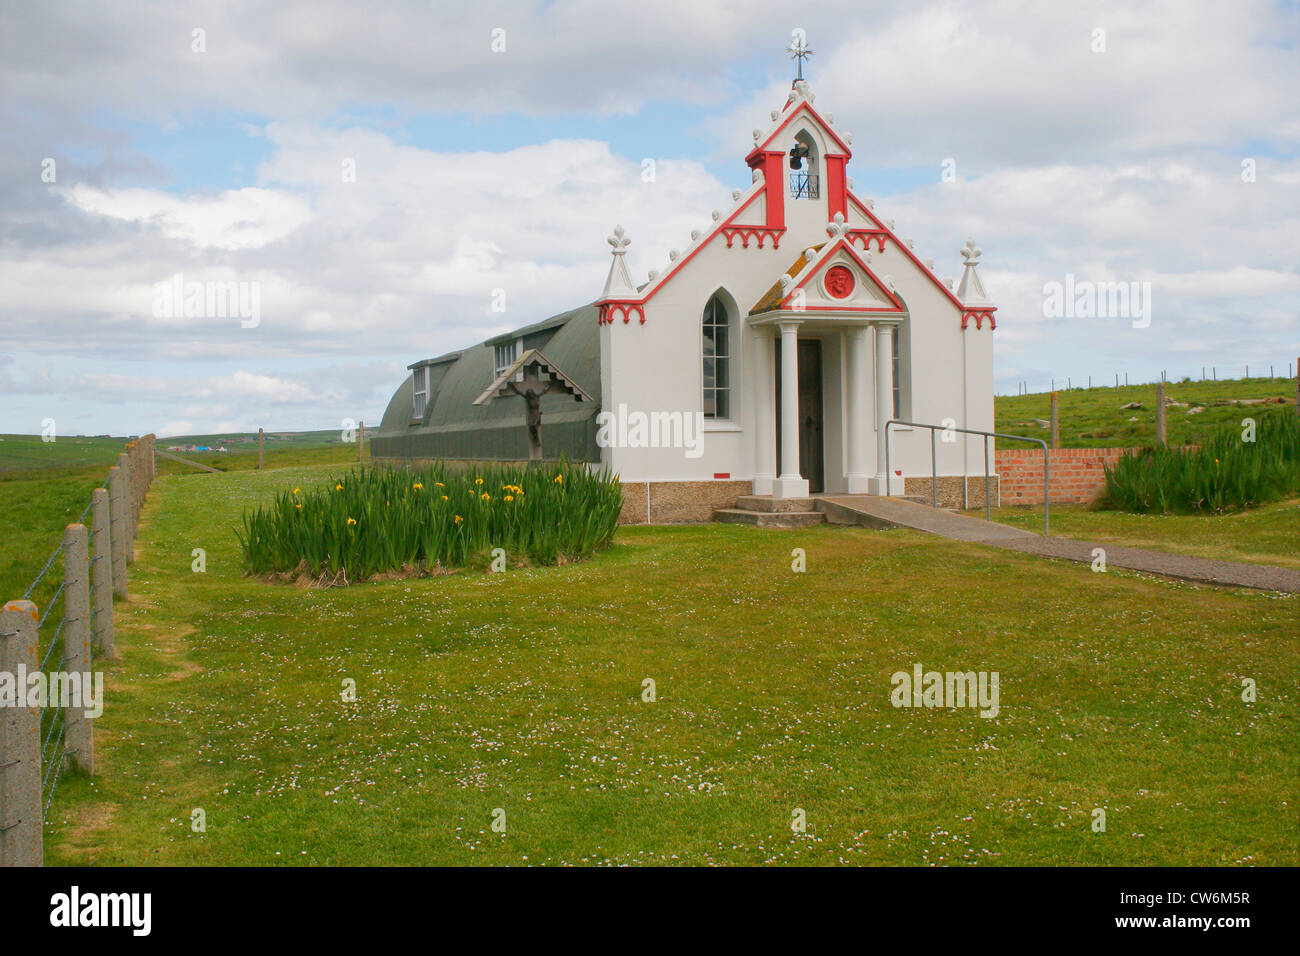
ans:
x=950 y=490
x=679 y=502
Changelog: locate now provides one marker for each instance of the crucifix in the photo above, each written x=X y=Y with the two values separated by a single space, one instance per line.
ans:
x=530 y=377
x=798 y=50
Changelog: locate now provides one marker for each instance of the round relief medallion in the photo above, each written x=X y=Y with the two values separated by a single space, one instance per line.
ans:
x=839 y=282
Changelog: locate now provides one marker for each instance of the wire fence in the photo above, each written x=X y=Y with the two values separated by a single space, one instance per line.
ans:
x=1263 y=371
x=48 y=639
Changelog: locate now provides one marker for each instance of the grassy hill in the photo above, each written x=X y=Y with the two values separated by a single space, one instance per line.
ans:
x=22 y=454
x=1097 y=418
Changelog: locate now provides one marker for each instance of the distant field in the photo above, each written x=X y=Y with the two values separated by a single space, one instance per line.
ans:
x=281 y=450
x=1096 y=418
x=45 y=486
x=23 y=454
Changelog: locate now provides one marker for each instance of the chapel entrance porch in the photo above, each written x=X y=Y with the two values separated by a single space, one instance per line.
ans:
x=820 y=386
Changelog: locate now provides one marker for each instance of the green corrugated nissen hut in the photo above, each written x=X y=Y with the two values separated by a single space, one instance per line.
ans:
x=433 y=415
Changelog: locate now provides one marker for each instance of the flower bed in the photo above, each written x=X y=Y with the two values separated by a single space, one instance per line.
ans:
x=420 y=520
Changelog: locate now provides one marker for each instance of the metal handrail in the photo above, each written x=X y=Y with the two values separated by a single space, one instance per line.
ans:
x=934 y=470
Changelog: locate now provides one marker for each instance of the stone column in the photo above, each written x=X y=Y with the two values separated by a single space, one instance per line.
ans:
x=884 y=408
x=790 y=484
x=764 y=399
x=857 y=347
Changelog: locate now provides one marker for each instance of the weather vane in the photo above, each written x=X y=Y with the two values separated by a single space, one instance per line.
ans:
x=798 y=50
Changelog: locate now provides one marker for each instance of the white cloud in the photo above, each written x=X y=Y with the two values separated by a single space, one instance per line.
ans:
x=236 y=219
x=1124 y=165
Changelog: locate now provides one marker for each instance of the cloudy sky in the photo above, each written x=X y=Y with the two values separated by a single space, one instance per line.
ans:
x=376 y=171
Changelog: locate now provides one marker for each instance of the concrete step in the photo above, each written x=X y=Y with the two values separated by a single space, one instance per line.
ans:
x=769 y=504
x=769 y=519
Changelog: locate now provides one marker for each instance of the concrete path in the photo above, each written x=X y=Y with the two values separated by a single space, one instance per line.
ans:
x=894 y=512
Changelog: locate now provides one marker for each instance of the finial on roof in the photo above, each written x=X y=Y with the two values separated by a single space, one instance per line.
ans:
x=798 y=50
x=836 y=227
x=619 y=281
x=971 y=291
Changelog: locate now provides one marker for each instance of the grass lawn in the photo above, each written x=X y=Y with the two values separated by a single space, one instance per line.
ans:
x=22 y=456
x=1266 y=535
x=44 y=486
x=523 y=691
x=1095 y=418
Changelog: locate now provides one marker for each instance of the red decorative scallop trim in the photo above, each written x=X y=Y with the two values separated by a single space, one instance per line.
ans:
x=979 y=315
x=626 y=309
x=864 y=237
x=751 y=232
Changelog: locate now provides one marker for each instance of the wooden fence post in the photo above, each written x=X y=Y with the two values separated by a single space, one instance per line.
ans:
x=1160 y=412
x=76 y=645
x=21 y=829
x=361 y=441
x=101 y=576
x=259 y=449
x=1056 y=422
x=117 y=530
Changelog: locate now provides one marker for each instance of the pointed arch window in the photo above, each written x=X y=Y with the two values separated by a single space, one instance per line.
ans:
x=717 y=359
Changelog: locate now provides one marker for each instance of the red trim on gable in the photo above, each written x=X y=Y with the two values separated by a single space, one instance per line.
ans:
x=881 y=227
x=745 y=205
x=826 y=127
x=843 y=243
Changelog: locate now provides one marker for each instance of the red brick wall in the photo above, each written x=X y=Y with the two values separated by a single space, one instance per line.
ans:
x=1077 y=475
